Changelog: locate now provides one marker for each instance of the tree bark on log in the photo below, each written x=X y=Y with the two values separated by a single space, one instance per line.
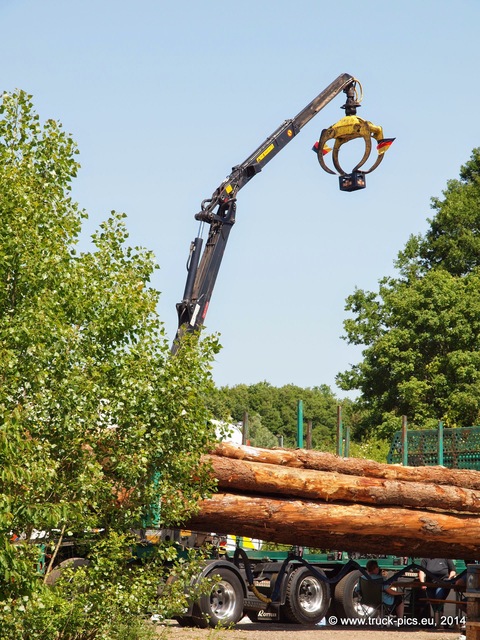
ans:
x=353 y=527
x=320 y=500
x=308 y=459
x=267 y=479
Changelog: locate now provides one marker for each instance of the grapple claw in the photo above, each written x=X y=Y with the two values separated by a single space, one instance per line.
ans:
x=346 y=129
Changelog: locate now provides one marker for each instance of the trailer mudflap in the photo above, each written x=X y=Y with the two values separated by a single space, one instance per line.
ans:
x=270 y=612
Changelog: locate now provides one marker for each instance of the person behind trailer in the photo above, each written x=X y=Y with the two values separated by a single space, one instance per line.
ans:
x=390 y=597
x=436 y=569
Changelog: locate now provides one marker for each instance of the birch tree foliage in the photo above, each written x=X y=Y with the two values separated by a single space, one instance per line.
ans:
x=97 y=421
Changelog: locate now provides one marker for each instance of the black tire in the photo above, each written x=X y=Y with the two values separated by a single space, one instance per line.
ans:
x=307 y=597
x=224 y=605
x=55 y=574
x=346 y=597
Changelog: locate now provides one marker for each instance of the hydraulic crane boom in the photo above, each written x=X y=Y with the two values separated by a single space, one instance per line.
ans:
x=219 y=212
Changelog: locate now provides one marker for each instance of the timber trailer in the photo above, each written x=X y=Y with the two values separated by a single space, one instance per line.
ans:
x=303 y=586
x=299 y=585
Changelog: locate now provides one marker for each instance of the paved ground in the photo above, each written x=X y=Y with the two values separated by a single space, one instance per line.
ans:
x=246 y=630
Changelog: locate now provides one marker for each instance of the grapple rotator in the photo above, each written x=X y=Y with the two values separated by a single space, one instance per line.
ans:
x=346 y=129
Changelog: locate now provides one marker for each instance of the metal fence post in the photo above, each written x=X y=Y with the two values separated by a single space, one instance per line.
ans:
x=300 y=424
x=404 y=441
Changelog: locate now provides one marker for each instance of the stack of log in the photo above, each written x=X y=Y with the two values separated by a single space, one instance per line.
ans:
x=315 y=499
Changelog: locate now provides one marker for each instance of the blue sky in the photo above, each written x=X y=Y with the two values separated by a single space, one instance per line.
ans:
x=163 y=98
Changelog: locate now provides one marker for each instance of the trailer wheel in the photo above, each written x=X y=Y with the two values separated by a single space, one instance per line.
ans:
x=346 y=597
x=307 y=597
x=55 y=574
x=224 y=605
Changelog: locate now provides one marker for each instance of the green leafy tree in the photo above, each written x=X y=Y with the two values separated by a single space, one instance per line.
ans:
x=421 y=330
x=97 y=421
